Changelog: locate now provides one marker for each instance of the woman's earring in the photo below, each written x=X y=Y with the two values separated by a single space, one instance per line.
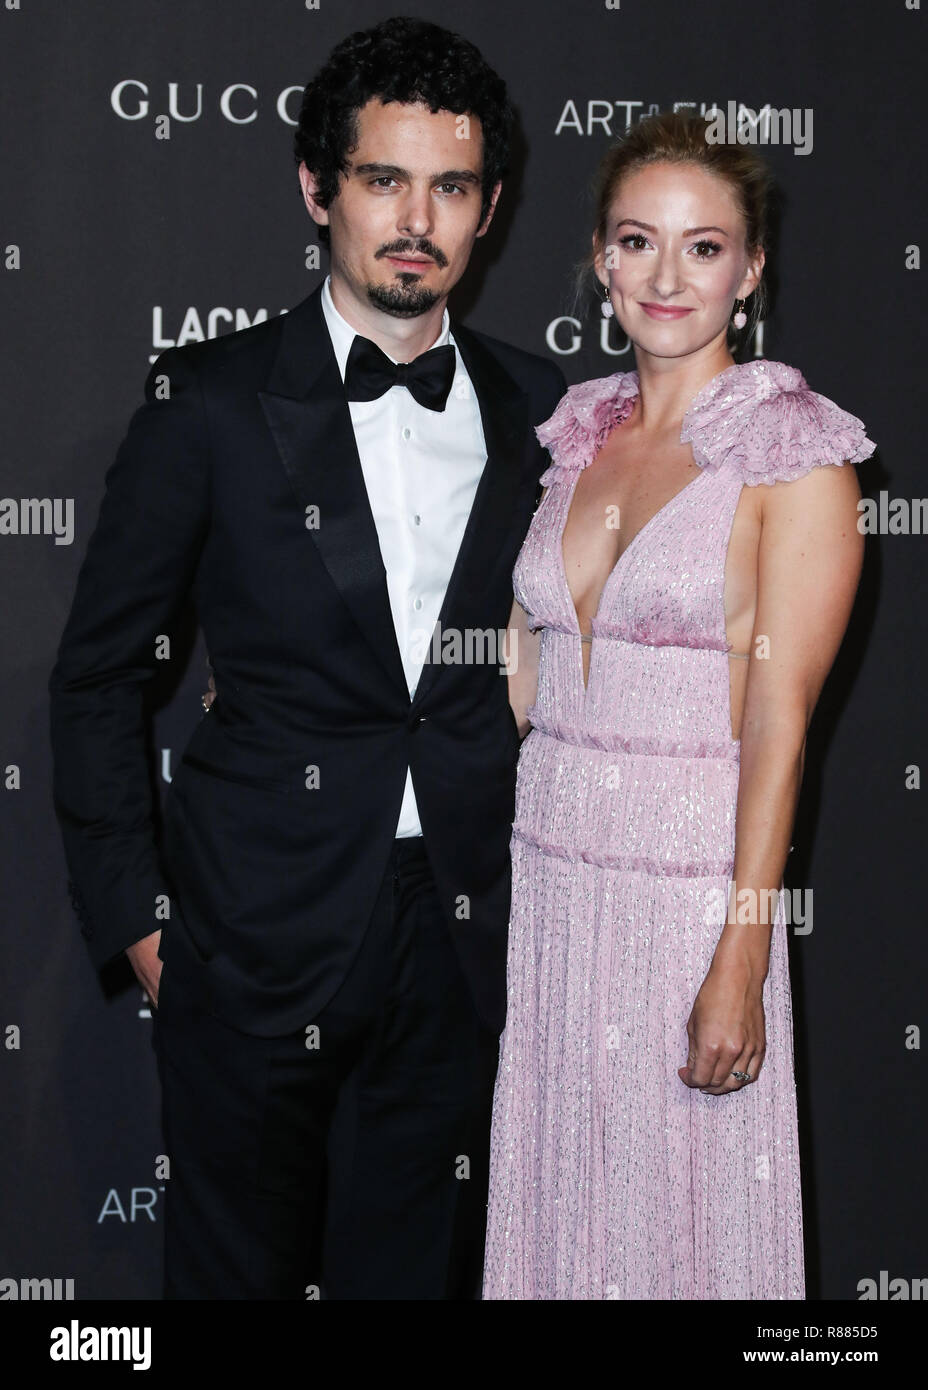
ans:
x=741 y=317
x=606 y=306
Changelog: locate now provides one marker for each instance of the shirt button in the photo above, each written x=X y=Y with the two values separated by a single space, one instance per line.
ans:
x=417 y=519
x=417 y=604
x=407 y=432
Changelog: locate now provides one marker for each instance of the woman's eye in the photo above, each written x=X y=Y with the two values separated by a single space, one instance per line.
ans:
x=632 y=239
x=706 y=250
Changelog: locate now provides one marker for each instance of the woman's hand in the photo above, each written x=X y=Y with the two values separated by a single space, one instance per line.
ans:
x=726 y=1031
x=521 y=660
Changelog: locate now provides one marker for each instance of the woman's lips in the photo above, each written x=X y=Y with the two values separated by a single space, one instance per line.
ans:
x=660 y=311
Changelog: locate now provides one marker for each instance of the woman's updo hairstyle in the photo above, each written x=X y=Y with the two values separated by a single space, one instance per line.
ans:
x=679 y=137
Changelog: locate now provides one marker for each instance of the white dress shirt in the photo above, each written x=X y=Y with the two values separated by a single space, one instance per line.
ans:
x=421 y=469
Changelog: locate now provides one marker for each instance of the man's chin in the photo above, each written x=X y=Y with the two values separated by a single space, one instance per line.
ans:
x=403 y=301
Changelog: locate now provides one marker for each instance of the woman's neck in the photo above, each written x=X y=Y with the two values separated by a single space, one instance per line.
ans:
x=667 y=385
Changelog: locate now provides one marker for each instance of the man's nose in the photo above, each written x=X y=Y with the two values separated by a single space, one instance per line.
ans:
x=415 y=216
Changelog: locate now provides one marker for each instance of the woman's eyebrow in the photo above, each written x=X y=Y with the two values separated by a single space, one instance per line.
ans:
x=687 y=231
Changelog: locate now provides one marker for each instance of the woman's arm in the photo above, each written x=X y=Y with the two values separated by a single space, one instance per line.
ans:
x=808 y=569
x=521 y=657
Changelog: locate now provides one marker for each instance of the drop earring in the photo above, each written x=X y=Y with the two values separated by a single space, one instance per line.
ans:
x=606 y=306
x=741 y=317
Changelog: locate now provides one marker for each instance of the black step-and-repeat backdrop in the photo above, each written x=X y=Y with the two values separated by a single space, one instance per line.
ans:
x=148 y=197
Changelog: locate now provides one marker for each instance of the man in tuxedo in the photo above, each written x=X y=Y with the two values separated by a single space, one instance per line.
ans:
x=323 y=928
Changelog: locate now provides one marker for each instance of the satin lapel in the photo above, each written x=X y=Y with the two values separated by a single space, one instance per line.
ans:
x=504 y=415
x=310 y=421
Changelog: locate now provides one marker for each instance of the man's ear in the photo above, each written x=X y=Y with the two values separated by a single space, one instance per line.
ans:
x=491 y=209
x=310 y=185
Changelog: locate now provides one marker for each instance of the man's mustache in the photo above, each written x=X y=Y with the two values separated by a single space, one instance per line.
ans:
x=418 y=248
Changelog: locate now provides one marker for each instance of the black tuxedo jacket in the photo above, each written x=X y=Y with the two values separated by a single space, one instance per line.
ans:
x=282 y=811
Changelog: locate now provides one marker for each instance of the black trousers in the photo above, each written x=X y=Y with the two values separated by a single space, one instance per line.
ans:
x=350 y=1159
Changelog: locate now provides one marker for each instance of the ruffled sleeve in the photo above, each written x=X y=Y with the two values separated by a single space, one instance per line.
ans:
x=762 y=419
x=584 y=416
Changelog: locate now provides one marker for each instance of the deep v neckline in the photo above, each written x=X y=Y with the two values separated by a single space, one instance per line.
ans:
x=587 y=412
x=617 y=567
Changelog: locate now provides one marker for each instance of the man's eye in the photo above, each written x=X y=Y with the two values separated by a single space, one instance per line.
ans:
x=383 y=179
x=450 y=188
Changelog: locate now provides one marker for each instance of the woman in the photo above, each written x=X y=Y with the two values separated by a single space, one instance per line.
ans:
x=681 y=596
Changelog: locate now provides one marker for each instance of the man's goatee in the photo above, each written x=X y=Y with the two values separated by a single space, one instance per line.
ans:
x=404 y=302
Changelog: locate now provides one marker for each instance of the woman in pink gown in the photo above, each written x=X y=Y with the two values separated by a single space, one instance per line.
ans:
x=644 y=1139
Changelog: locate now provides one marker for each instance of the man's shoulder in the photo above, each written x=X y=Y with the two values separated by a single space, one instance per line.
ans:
x=244 y=350
x=518 y=360
x=534 y=374
x=242 y=346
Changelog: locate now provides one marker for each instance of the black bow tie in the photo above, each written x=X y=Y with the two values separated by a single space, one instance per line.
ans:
x=369 y=373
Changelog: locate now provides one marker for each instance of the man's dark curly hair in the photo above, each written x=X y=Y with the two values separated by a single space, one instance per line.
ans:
x=405 y=60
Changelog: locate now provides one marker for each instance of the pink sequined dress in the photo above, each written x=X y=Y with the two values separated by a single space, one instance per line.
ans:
x=609 y=1177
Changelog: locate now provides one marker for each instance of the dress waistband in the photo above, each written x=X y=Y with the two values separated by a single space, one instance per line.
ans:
x=609 y=741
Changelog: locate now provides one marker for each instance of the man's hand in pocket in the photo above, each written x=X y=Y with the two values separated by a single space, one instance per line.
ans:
x=147 y=964
x=209 y=695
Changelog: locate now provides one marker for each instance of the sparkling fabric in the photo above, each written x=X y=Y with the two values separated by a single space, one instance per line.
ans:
x=609 y=1177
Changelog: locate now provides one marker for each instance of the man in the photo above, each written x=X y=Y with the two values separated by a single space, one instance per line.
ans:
x=334 y=879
